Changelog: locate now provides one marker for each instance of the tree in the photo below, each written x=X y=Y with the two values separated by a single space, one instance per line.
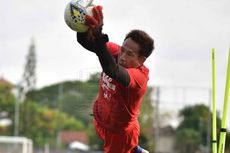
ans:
x=146 y=121
x=42 y=124
x=188 y=140
x=28 y=82
x=94 y=78
x=192 y=131
x=76 y=99
x=7 y=101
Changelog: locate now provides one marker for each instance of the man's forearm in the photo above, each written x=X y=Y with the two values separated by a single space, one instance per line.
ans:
x=108 y=63
x=85 y=42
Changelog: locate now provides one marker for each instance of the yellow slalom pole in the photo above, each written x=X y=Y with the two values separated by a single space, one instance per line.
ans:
x=225 y=112
x=214 y=135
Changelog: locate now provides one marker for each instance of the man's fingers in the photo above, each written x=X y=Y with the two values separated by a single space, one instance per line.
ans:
x=91 y=21
x=97 y=13
x=100 y=14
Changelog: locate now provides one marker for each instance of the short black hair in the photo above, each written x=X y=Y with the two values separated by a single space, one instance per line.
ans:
x=144 y=40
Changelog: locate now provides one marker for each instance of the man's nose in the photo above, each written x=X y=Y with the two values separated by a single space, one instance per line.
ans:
x=123 y=57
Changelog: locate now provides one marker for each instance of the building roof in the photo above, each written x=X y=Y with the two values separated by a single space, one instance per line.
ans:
x=4 y=82
x=70 y=136
x=167 y=130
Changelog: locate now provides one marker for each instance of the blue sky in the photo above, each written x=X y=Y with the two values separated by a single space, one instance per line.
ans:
x=184 y=33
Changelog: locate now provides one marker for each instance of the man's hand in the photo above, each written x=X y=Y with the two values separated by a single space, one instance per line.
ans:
x=95 y=22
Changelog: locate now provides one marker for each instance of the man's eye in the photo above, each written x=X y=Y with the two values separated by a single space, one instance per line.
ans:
x=130 y=54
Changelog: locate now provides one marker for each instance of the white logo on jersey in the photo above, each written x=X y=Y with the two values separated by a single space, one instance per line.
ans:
x=107 y=85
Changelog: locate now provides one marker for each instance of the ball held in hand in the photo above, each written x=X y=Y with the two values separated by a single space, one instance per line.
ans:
x=75 y=14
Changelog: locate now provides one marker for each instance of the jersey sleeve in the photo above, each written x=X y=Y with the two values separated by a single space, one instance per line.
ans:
x=113 y=48
x=138 y=79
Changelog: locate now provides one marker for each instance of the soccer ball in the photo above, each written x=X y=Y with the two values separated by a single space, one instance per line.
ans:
x=75 y=13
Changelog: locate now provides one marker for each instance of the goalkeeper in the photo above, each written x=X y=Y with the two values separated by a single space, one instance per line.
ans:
x=122 y=85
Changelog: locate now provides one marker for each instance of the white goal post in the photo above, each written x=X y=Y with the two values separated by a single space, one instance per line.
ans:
x=11 y=144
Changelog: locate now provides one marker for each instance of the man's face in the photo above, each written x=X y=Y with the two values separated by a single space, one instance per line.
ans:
x=129 y=54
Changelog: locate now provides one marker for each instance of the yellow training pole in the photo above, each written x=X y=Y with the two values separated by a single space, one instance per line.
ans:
x=214 y=136
x=225 y=112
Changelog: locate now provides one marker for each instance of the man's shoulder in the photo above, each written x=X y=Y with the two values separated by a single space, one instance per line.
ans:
x=138 y=77
x=113 y=48
x=142 y=70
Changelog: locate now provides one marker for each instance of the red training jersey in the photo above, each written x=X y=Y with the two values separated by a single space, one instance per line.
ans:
x=117 y=107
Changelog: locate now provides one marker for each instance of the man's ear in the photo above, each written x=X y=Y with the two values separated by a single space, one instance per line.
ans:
x=142 y=60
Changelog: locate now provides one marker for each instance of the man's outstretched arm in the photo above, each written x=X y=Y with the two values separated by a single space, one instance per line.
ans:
x=95 y=41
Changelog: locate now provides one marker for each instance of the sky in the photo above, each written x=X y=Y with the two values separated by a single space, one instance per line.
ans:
x=184 y=33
